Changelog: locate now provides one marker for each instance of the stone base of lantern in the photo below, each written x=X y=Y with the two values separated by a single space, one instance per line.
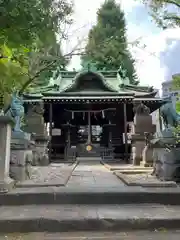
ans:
x=6 y=185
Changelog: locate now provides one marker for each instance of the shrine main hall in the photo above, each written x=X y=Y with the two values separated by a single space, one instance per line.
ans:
x=87 y=114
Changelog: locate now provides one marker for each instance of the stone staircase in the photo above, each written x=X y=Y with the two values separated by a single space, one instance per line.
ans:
x=70 y=212
x=74 y=218
x=93 y=200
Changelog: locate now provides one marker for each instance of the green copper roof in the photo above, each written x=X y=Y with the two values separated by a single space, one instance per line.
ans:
x=68 y=80
x=88 y=83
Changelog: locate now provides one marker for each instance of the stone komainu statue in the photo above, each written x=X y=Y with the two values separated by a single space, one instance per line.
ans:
x=141 y=109
x=169 y=115
x=16 y=111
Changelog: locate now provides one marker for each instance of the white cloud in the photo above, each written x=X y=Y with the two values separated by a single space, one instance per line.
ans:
x=152 y=68
x=128 y=5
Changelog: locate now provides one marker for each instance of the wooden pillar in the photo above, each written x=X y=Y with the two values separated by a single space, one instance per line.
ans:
x=125 y=131
x=160 y=121
x=89 y=128
x=50 y=129
x=69 y=137
x=110 y=135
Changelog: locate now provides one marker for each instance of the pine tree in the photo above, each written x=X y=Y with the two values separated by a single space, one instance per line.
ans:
x=107 y=43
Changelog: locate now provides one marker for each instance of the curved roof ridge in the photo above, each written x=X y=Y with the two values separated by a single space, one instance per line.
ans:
x=81 y=73
x=106 y=83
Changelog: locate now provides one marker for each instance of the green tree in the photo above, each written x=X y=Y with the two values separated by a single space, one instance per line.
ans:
x=107 y=43
x=166 y=13
x=28 y=32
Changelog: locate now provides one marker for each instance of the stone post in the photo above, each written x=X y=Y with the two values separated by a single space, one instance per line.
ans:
x=6 y=183
x=21 y=156
x=142 y=124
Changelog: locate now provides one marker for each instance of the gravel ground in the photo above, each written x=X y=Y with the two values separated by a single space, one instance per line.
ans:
x=52 y=175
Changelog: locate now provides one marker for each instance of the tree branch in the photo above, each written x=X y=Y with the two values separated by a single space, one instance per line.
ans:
x=30 y=80
x=26 y=84
x=173 y=2
x=172 y=18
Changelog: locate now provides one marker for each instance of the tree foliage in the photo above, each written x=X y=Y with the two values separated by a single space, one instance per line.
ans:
x=23 y=21
x=29 y=50
x=166 y=13
x=107 y=43
x=12 y=75
x=176 y=86
x=176 y=81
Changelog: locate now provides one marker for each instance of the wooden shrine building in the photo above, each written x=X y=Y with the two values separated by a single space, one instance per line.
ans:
x=89 y=112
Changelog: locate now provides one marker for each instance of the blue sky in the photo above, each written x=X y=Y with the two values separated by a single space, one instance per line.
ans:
x=156 y=63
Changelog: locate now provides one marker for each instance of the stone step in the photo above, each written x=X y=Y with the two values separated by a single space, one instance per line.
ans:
x=90 y=158
x=71 y=218
x=93 y=235
x=88 y=195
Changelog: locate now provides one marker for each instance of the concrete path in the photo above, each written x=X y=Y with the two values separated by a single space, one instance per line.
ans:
x=93 y=174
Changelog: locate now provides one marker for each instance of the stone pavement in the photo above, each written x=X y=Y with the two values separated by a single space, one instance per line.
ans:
x=137 y=235
x=93 y=174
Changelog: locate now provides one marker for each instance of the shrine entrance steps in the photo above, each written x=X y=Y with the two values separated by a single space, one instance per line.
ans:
x=89 y=159
x=93 y=199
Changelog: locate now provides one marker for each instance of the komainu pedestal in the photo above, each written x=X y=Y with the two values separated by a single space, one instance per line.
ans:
x=40 y=154
x=21 y=156
x=166 y=160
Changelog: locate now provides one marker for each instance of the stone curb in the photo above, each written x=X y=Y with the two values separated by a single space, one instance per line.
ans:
x=129 y=182
x=64 y=225
x=90 y=198
x=130 y=169
x=107 y=166
x=72 y=170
